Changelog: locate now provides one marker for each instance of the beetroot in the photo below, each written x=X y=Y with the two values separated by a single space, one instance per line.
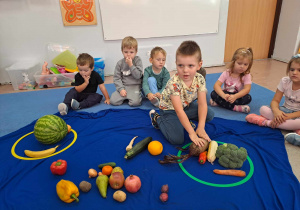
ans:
x=194 y=150
x=165 y=188
x=163 y=197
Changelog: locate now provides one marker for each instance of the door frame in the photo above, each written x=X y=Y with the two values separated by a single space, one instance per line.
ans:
x=275 y=27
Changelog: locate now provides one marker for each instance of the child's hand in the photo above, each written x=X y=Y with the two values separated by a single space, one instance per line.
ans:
x=226 y=96
x=202 y=133
x=123 y=93
x=86 y=79
x=150 y=96
x=198 y=141
x=107 y=101
x=231 y=98
x=129 y=61
x=279 y=117
x=158 y=95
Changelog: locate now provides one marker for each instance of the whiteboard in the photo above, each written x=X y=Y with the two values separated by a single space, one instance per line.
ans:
x=158 y=18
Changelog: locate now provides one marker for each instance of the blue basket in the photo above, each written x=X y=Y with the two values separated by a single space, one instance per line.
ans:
x=99 y=67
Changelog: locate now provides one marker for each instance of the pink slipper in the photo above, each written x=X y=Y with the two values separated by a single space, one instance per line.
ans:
x=256 y=119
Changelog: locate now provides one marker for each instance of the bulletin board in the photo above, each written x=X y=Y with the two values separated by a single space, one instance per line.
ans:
x=78 y=12
x=158 y=18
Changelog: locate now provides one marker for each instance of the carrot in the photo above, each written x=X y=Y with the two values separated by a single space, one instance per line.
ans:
x=231 y=172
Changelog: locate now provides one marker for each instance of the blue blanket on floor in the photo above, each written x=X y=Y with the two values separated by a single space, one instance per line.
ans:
x=103 y=137
x=20 y=109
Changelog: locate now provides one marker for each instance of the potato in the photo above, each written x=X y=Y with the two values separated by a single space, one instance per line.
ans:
x=119 y=196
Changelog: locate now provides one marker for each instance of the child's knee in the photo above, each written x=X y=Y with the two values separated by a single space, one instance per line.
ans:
x=176 y=139
x=134 y=102
x=210 y=114
x=264 y=110
x=151 y=80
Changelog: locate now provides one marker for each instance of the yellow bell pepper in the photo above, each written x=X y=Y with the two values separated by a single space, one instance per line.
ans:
x=67 y=191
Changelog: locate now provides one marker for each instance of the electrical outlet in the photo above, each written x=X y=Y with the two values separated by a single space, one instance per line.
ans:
x=148 y=53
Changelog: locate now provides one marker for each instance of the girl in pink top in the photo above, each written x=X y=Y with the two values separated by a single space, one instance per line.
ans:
x=237 y=83
x=285 y=117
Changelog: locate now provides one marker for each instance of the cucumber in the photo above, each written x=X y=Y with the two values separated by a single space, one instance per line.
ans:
x=112 y=164
x=139 y=147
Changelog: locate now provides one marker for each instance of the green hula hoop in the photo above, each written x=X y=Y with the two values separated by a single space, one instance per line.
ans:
x=213 y=184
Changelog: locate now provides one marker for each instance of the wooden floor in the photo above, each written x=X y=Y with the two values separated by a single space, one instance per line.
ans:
x=266 y=73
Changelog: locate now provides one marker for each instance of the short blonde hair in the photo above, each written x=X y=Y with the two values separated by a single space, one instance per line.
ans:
x=189 y=48
x=85 y=59
x=129 y=42
x=156 y=50
x=296 y=59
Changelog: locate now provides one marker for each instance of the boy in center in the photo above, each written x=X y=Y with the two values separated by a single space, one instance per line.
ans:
x=184 y=99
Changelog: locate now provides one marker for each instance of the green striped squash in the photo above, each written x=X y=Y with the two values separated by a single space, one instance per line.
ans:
x=50 y=129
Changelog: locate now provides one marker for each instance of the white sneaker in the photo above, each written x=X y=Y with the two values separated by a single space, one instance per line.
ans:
x=293 y=138
x=63 y=109
x=155 y=101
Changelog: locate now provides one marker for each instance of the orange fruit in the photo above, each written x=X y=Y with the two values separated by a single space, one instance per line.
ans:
x=106 y=170
x=155 y=148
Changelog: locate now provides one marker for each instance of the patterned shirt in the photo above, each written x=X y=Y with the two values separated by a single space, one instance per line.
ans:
x=177 y=87
x=292 y=97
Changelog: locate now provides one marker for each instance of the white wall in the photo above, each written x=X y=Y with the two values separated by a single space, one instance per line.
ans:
x=288 y=33
x=28 y=25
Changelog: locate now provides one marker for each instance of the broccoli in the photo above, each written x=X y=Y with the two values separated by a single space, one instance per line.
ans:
x=230 y=156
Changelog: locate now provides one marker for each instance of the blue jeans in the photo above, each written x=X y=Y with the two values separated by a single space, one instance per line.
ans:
x=152 y=85
x=285 y=110
x=172 y=128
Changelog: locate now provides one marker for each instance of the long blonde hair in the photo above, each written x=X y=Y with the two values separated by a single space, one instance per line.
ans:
x=242 y=53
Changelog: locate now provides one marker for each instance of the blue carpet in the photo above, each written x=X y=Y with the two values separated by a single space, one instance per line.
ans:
x=103 y=137
x=20 y=109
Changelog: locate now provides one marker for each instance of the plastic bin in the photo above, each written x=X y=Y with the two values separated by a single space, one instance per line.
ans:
x=99 y=67
x=54 y=80
x=21 y=74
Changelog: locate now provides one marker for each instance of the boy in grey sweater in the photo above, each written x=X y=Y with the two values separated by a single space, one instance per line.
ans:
x=128 y=75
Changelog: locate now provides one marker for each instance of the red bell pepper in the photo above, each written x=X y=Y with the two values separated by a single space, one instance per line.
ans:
x=59 y=167
x=202 y=157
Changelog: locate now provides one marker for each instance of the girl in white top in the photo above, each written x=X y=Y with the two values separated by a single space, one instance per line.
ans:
x=285 y=117
x=237 y=83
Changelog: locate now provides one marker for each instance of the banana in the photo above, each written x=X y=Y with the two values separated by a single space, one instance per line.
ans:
x=42 y=153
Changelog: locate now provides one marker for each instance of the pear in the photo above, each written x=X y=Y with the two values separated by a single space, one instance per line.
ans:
x=117 y=169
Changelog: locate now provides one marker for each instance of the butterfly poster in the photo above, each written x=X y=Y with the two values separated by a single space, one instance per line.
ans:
x=78 y=12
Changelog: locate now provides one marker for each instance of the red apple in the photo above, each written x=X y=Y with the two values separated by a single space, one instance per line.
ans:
x=116 y=180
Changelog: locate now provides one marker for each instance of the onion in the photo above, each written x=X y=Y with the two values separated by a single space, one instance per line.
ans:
x=132 y=183
x=92 y=173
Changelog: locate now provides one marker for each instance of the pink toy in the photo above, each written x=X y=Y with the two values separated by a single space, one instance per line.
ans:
x=60 y=68
x=45 y=70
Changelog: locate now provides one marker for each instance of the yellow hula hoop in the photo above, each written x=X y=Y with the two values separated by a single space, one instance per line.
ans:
x=26 y=158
